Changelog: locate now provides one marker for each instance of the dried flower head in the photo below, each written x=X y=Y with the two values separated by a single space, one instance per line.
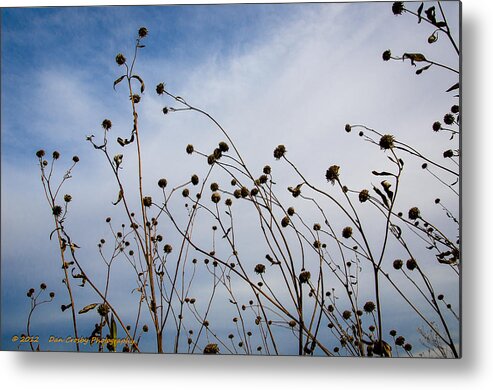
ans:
x=279 y=151
x=106 y=124
x=369 y=307
x=291 y=211
x=228 y=202
x=316 y=226
x=40 y=153
x=304 y=276
x=262 y=179
x=244 y=192
x=194 y=179
x=211 y=159
x=397 y=264
x=143 y=32
x=217 y=153
x=211 y=349
x=67 y=198
x=346 y=314
x=398 y=7
x=185 y=192
x=292 y=323
x=145 y=328
x=332 y=174
x=408 y=347
x=386 y=55
x=285 y=222
x=414 y=213
x=162 y=183
x=216 y=197
x=168 y=248
x=147 y=201
x=449 y=119
x=267 y=170
x=347 y=232
x=386 y=142
x=223 y=147
x=437 y=126
x=347 y=128
x=455 y=109
x=103 y=309
x=52 y=295
x=120 y=59
x=448 y=153
x=135 y=98
x=56 y=155
x=160 y=88
x=57 y=210
x=411 y=264
x=364 y=195
x=259 y=269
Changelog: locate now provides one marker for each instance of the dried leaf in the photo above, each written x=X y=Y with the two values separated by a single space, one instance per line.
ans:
x=120 y=197
x=419 y=71
x=87 y=308
x=453 y=87
x=420 y=9
x=142 y=85
x=383 y=173
x=117 y=81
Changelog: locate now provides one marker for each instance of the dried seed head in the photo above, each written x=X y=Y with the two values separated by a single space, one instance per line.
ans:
x=393 y=332
x=386 y=142
x=147 y=201
x=254 y=191
x=448 y=153
x=364 y=195
x=316 y=227
x=160 y=88
x=57 y=210
x=397 y=264
x=143 y=32
x=223 y=147
x=103 y=310
x=411 y=264
x=291 y=211
x=194 y=179
x=56 y=155
x=369 y=307
x=347 y=232
x=135 y=98
x=263 y=179
x=386 y=55
x=285 y=222
x=162 y=183
x=332 y=174
x=244 y=192
x=346 y=314
x=214 y=186
x=279 y=151
x=292 y=323
x=216 y=197
x=408 y=347
x=40 y=153
x=304 y=276
x=414 y=213
x=211 y=159
x=52 y=295
x=120 y=59
x=228 y=202
x=185 y=192
x=448 y=119
x=455 y=109
x=106 y=124
x=400 y=340
x=211 y=349
x=217 y=153
x=347 y=128
x=398 y=7
x=437 y=126
x=237 y=193
x=317 y=244
x=145 y=328
x=67 y=198
x=42 y=286
x=259 y=269
x=168 y=248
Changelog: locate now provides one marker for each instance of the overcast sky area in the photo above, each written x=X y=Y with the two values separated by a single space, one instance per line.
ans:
x=291 y=74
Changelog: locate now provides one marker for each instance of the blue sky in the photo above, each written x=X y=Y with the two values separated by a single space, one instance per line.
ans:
x=292 y=74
